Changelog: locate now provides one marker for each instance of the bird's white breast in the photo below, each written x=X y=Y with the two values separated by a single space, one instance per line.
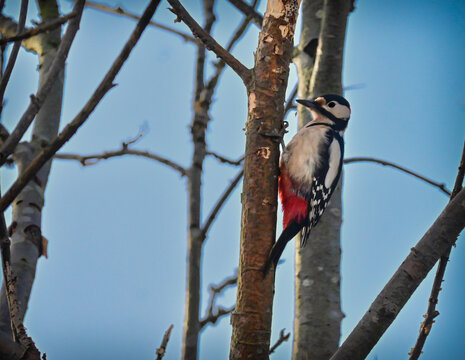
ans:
x=301 y=156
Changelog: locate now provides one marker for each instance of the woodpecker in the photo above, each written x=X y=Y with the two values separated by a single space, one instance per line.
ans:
x=310 y=168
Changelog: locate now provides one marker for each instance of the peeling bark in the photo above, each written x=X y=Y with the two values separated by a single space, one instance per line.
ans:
x=318 y=312
x=26 y=238
x=251 y=319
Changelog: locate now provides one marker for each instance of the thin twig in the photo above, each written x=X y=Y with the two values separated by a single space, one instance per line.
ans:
x=290 y=101
x=216 y=312
x=432 y=313
x=14 y=53
x=118 y=10
x=440 y=186
x=210 y=43
x=52 y=74
x=216 y=209
x=282 y=338
x=106 y=84
x=164 y=343
x=225 y=160
x=240 y=30
x=248 y=10
x=5 y=242
x=92 y=159
x=41 y=28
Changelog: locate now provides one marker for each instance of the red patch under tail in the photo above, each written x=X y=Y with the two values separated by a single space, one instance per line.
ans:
x=294 y=206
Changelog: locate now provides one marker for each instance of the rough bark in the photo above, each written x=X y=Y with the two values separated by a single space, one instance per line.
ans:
x=195 y=238
x=26 y=239
x=318 y=312
x=251 y=320
x=387 y=305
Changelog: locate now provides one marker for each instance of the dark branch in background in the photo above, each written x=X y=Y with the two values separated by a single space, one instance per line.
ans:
x=92 y=159
x=41 y=28
x=290 y=101
x=432 y=313
x=118 y=10
x=107 y=83
x=215 y=312
x=52 y=74
x=18 y=330
x=225 y=160
x=282 y=338
x=248 y=11
x=14 y=53
x=440 y=186
x=441 y=235
x=209 y=42
x=162 y=349
x=211 y=217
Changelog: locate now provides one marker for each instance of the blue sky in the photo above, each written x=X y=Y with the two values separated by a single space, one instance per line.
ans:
x=116 y=274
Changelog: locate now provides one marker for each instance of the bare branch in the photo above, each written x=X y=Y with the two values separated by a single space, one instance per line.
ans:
x=14 y=53
x=41 y=28
x=440 y=186
x=37 y=100
x=437 y=240
x=282 y=338
x=209 y=42
x=216 y=209
x=290 y=101
x=16 y=323
x=249 y=11
x=118 y=10
x=162 y=349
x=432 y=313
x=8 y=28
x=225 y=160
x=216 y=312
x=106 y=84
x=92 y=159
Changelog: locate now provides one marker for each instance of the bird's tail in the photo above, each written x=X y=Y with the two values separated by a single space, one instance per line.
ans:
x=288 y=233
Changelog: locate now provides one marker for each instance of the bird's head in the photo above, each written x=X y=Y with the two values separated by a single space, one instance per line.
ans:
x=333 y=107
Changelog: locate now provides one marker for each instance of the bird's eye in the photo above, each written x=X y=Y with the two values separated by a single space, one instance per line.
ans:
x=331 y=104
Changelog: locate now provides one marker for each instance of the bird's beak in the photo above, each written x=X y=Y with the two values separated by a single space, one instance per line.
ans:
x=313 y=104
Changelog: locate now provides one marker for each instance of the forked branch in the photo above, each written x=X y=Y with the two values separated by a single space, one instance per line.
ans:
x=210 y=43
x=105 y=85
x=118 y=10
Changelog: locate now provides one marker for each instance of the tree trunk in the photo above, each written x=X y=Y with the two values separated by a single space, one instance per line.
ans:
x=201 y=106
x=26 y=238
x=318 y=312
x=251 y=320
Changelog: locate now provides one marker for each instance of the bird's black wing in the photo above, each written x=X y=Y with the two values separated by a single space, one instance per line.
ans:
x=326 y=174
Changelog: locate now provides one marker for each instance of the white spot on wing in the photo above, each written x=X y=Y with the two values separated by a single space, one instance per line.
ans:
x=334 y=162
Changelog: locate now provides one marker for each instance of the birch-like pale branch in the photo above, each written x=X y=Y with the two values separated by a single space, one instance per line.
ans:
x=164 y=343
x=52 y=74
x=437 y=240
x=118 y=10
x=105 y=85
x=210 y=43
x=92 y=159
x=41 y=28
x=431 y=312
x=249 y=11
